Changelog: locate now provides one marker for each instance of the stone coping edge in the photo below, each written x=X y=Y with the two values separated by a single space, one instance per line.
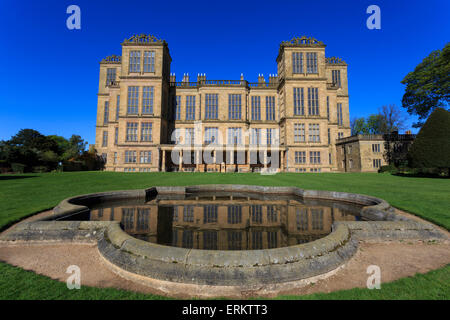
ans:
x=231 y=275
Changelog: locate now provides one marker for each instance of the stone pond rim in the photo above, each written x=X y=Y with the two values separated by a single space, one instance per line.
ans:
x=224 y=268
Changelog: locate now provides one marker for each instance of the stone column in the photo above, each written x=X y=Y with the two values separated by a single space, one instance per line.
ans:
x=180 y=160
x=163 y=164
x=281 y=160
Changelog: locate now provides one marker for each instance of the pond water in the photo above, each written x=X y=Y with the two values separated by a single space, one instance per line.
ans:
x=224 y=221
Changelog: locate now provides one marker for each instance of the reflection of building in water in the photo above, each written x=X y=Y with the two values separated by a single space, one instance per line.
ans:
x=225 y=224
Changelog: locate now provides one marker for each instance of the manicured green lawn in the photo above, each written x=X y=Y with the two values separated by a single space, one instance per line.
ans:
x=22 y=195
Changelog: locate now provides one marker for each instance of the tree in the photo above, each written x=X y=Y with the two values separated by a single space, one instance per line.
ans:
x=359 y=126
x=393 y=119
x=32 y=139
x=431 y=149
x=62 y=143
x=428 y=86
x=388 y=119
x=77 y=146
x=376 y=124
x=35 y=151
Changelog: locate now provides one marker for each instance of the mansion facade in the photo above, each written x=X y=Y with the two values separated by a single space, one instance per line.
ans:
x=147 y=120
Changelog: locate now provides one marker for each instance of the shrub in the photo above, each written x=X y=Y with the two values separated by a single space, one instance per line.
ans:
x=389 y=168
x=431 y=149
x=18 y=167
x=40 y=169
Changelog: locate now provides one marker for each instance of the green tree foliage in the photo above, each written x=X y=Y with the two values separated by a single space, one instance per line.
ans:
x=359 y=126
x=431 y=149
x=428 y=86
x=36 y=151
x=389 y=118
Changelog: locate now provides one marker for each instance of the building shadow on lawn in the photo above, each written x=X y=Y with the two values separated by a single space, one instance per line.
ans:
x=13 y=177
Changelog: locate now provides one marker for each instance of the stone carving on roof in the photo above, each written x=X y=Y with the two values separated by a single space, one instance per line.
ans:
x=304 y=40
x=143 y=39
x=334 y=60
x=112 y=59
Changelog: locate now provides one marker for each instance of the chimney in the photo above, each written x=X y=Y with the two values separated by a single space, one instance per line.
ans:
x=242 y=77
x=186 y=77
x=273 y=78
x=261 y=79
x=201 y=77
x=173 y=77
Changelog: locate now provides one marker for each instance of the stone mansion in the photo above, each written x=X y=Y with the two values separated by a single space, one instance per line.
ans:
x=147 y=120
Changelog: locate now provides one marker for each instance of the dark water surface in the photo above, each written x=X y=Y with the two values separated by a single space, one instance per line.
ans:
x=225 y=221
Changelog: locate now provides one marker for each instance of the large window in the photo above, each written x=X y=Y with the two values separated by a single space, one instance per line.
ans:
x=130 y=156
x=117 y=107
x=188 y=239
x=297 y=62
x=234 y=214
x=314 y=157
x=311 y=62
x=269 y=136
x=145 y=157
x=189 y=136
x=234 y=136
x=300 y=157
x=177 y=104
x=110 y=76
x=336 y=77
x=210 y=213
x=272 y=215
x=270 y=108
x=299 y=132
x=105 y=139
x=188 y=214
x=234 y=240
x=255 y=136
x=146 y=131
x=376 y=147
x=314 y=132
x=133 y=100
x=317 y=219
x=313 y=101
x=211 y=135
x=135 y=61
x=328 y=108
x=147 y=100
x=190 y=107
x=376 y=163
x=339 y=113
x=302 y=219
x=299 y=106
x=106 y=113
x=210 y=240
x=211 y=106
x=234 y=106
x=132 y=131
x=256 y=213
x=256 y=108
x=149 y=61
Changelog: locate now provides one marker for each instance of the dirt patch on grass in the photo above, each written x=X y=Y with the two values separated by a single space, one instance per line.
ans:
x=396 y=259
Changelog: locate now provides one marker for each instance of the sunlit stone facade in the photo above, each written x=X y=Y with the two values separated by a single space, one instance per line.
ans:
x=146 y=119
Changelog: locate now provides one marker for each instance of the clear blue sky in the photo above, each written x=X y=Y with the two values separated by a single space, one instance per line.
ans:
x=49 y=74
